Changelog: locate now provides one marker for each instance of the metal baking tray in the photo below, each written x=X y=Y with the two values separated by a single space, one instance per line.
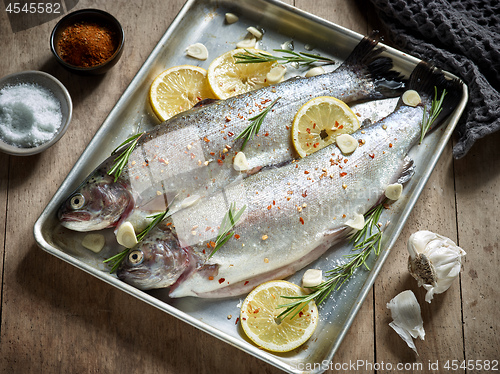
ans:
x=203 y=21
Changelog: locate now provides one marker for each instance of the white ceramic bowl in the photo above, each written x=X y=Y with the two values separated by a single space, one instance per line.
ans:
x=60 y=93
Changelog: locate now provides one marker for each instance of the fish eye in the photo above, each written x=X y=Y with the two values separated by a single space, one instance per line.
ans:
x=136 y=257
x=77 y=201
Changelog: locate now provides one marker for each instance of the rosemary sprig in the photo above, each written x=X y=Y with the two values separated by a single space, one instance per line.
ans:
x=254 y=126
x=301 y=58
x=122 y=159
x=436 y=107
x=157 y=218
x=228 y=222
x=117 y=259
x=366 y=241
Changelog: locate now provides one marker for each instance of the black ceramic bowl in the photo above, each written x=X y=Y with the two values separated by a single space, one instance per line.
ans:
x=99 y=17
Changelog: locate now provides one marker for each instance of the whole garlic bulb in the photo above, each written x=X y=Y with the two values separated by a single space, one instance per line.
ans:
x=434 y=261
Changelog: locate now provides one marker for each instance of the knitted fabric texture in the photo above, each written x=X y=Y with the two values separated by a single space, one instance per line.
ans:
x=462 y=37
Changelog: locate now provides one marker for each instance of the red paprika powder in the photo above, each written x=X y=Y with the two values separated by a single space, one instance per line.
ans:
x=87 y=44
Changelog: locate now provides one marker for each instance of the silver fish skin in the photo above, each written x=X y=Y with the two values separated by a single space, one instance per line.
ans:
x=293 y=213
x=192 y=153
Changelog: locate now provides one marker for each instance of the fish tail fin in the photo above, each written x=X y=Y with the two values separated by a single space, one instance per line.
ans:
x=366 y=62
x=431 y=83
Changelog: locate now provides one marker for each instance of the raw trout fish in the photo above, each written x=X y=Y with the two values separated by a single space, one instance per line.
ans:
x=191 y=154
x=293 y=213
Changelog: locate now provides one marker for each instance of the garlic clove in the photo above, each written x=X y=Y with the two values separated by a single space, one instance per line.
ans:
x=407 y=318
x=434 y=261
x=312 y=278
x=346 y=143
x=240 y=162
x=247 y=43
x=357 y=222
x=411 y=98
x=198 y=51
x=394 y=191
x=94 y=242
x=231 y=18
x=125 y=235
x=255 y=32
x=318 y=70
x=276 y=74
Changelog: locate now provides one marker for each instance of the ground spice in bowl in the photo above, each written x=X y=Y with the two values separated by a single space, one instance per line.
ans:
x=87 y=44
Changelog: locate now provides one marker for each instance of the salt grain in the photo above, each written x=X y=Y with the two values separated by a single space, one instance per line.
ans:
x=30 y=115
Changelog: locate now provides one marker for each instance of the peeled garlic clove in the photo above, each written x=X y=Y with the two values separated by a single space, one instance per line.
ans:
x=318 y=70
x=240 y=162
x=411 y=98
x=125 y=235
x=276 y=74
x=394 y=191
x=434 y=261
x=231 y=18
x=357 y=222
x=255 y=32
x=94 y=242
x=312 y=278
x=247 y=43
x=198 y=51
x=140 y=219
x=346 y=143
x=407 y=318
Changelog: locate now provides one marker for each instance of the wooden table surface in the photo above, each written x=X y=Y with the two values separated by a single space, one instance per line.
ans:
x=56 y=318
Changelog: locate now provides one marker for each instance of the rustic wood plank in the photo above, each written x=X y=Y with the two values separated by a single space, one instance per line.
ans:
x=434 y=211
x=477 y=184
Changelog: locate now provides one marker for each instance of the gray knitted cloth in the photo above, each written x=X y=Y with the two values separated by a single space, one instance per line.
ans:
x=462 y=37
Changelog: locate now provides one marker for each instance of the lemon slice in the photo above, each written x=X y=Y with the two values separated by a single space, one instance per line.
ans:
x=259 y=314
x=318 y=123
x=227 y=78
x=178 y=89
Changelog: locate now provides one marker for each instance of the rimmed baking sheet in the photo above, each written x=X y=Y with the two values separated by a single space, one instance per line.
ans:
x=203 y=21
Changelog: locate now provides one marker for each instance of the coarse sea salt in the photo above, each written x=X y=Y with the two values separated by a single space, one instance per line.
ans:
x=30 y=115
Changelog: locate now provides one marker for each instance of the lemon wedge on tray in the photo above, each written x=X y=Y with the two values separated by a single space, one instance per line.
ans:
x=178 y=89
x=259 y=317
x=227 y=78
x=318 y=123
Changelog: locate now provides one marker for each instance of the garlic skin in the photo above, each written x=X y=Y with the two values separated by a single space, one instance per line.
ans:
x=434 y=261
x=407 y=318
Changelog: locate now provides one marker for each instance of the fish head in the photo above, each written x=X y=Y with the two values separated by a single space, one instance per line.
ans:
x=155 y=263
x=98 y=203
